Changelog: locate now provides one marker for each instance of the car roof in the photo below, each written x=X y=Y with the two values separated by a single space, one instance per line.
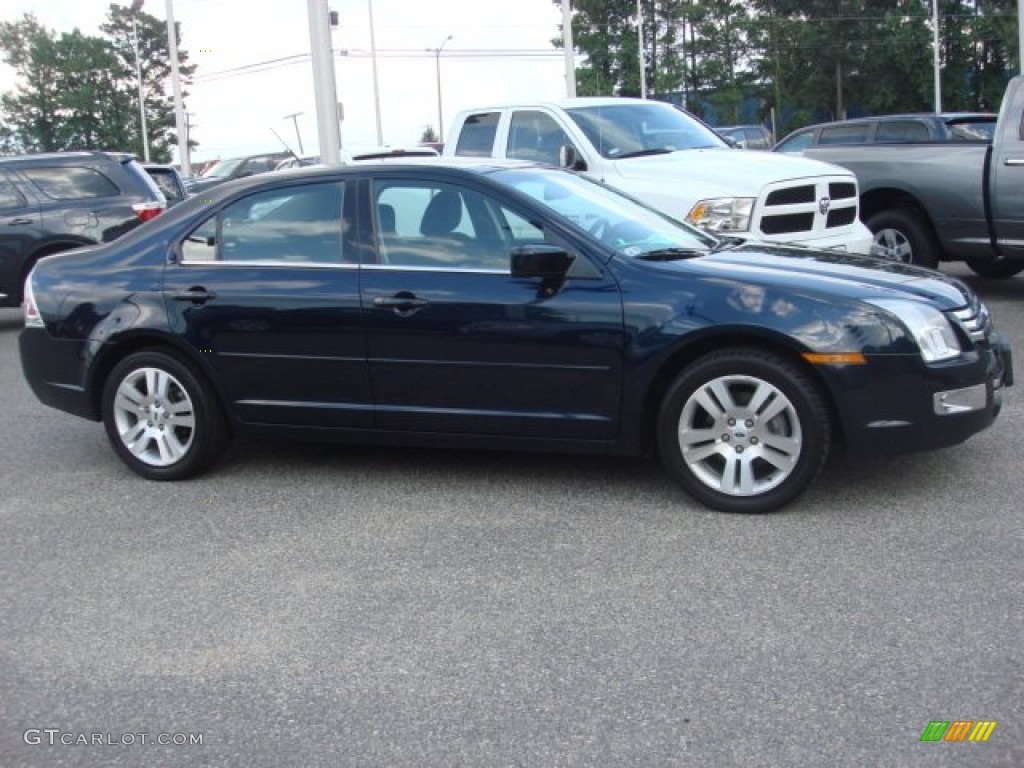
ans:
x=53 y=157
x=581 y=101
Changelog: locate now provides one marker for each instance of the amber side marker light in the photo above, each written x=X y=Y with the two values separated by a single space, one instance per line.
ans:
x=839 y=358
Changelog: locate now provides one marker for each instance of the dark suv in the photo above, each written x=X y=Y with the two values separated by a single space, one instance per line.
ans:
x=53 y=202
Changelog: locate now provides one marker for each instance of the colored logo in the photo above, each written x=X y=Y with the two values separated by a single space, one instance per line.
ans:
x=958 y=730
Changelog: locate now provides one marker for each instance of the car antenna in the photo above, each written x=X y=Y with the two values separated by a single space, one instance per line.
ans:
x=285 y=144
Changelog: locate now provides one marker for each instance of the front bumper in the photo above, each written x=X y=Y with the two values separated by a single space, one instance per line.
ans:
x=891 y=412
x=856 y=238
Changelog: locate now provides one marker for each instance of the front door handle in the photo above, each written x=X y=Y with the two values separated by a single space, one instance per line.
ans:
x=403 y=302
x=18 y=221
x=196 y=294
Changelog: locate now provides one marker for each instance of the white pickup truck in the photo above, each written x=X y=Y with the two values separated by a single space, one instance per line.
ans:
x=665 y=157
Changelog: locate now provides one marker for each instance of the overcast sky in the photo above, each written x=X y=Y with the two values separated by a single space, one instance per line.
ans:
x=500 y=51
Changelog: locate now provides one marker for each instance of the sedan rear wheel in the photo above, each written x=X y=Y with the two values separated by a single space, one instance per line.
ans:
x=161 y=417
x=743 y=430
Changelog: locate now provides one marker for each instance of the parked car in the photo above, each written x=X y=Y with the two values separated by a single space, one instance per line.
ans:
x=294 y=161
x=53 y=202
x=933 y=201
x=747 y=136
x=893 y=129
x=674 y=162
x=503 y=306
x=234 y=168
x=168 y=180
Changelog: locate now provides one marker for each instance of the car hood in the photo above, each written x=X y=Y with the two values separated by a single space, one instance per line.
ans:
x=835 y=273
x=726 y=167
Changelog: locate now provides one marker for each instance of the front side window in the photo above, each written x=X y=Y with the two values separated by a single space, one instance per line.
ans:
x=535 y=136
x=71 y=182
x=291 y=225
x=10 y=197
x=798 y=142
x=901 y=131
x=437 y=225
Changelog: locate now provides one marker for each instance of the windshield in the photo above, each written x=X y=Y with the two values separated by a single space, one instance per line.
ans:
x=223 y=168
x=634 y=129
x=618 y=221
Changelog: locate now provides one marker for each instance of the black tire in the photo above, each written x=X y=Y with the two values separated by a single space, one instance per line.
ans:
x=999 y=269
x=162 y=418
x=903 y=235
x=798 y=427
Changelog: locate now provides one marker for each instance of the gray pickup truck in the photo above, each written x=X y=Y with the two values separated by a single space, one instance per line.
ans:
x=938 y=201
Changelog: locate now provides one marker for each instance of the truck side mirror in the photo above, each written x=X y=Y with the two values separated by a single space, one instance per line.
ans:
x=569 y=158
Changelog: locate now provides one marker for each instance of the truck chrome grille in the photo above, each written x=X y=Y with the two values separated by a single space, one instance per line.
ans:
x=804 y=208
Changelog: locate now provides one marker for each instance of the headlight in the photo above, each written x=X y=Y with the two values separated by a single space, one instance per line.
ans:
x=722 y=214
x=930 y=328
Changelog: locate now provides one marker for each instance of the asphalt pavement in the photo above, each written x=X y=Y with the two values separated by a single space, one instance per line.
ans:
x=310 y=605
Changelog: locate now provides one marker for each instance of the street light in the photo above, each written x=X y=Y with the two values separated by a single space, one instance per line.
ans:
x=437 y=64
x=135 y=8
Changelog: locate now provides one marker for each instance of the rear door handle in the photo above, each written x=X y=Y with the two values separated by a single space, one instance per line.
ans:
x=402 y=303
x=197 y=295
x=1014 y=161
x=19 y=221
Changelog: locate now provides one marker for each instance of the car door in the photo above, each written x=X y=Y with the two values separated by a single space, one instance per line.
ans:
x=457 y=345
x=20 y=229
x=266 y=290
x=1007 y=178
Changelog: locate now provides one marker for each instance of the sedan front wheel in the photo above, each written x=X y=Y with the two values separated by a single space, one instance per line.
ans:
x=744 y=430
x=162 y=419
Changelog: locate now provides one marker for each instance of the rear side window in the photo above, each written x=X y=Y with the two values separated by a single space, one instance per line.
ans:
x=844 y=134
x=477 y=136
x=71 y=183
x=901 y=131
x=291 y=225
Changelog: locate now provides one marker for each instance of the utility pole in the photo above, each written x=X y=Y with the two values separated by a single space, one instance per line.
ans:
x=935 y=56
x=179 y=106
x=376 y=87
x=437 y=64
x=298 y=136
x=570 y=52
x=324 y=86
x=135 y=8
x=640 y=49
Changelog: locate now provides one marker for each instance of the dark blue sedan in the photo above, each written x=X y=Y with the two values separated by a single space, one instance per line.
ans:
x=501 y=306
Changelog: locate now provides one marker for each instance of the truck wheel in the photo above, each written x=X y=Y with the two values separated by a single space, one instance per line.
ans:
x=743 y=430
x=902 y=235
x=162 y=419
x=1000 y=269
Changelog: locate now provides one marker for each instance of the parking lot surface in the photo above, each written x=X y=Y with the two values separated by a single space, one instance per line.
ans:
x=309 y=605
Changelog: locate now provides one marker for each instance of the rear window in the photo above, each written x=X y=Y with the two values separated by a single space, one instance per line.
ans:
x=71 y=182
x=477 y=136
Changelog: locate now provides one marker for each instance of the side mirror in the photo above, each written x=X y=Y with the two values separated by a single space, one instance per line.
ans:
x=540 y=261
x=569 y=158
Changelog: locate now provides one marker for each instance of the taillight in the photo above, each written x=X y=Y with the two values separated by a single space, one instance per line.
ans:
x=147 y=211
x=32 y=316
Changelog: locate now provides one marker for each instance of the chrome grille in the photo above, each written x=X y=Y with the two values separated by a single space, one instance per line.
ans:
x=975 y=319
x=801 y=208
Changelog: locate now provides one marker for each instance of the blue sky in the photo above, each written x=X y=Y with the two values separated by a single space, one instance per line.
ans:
x=500 y=51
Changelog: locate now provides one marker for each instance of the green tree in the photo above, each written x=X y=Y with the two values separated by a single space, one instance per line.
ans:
x=77 y=91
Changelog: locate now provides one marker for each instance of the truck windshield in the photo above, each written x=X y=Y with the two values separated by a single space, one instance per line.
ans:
x=633 y=130
x=618 y=221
